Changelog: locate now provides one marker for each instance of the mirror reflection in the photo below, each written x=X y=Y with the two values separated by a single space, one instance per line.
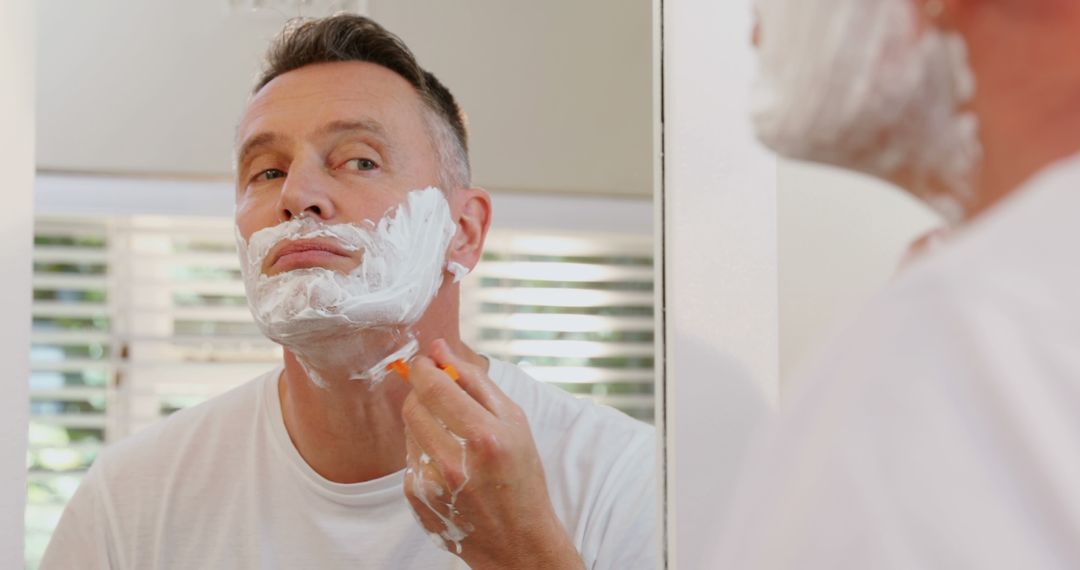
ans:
x=373 y=291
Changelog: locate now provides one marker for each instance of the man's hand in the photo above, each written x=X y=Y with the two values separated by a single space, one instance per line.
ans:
x=474 y=476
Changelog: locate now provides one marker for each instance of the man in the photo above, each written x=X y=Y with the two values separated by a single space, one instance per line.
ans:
x=355 y=218
x=941 y=429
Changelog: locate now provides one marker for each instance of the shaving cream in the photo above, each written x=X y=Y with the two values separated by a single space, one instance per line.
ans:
x=458 y=270
x=454 y=530
x=360 y=321
x=857 y=84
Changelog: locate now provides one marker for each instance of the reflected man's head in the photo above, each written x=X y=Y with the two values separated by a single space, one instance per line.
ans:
x=342 y=122
x=341 y=229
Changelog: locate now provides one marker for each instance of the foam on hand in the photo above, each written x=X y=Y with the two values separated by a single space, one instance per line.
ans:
x=455 y=529
x=362 y=320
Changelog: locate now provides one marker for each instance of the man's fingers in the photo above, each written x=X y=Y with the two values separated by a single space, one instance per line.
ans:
x=417 y=459
x=446 y=451
x=423 y=476
x=471 y=379
x=423 y=498
x=429 y=496
x=445 y=399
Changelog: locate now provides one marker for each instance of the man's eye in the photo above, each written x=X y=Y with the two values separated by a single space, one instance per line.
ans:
x=362 y=164
x=269 y=174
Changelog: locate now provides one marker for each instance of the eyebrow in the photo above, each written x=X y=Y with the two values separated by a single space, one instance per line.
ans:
x=255 y=142
x=369 y=126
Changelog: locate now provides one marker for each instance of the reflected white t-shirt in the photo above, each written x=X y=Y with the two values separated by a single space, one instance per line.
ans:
x=221 y=485
x=942 y=430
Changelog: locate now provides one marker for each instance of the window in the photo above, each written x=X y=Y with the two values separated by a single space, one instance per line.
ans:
x=575 y=310
x=73 y=359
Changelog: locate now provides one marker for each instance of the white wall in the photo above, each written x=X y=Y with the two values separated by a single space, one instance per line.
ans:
x=56 y=194
x=841 y=238
x=558 y=92
x=720 y=267
x=17 y=164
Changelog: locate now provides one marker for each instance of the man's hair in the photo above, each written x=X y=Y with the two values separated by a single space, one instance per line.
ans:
x=348 y=37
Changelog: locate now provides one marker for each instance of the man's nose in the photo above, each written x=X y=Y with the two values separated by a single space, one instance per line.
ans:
x=306 y=191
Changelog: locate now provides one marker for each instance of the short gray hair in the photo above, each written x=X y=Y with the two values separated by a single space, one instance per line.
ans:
x=348 y=37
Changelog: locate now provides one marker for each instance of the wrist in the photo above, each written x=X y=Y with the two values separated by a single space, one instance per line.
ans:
x=549 y=547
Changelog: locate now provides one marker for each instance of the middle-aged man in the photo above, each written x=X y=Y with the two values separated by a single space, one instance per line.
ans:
x=351 y=257
x=942 y=429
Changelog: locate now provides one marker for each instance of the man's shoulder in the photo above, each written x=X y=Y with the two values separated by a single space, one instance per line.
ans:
x=921 y=329
x=983 y=318
x=1003 y=276
x=929 y=402
x=202 y=429
x=1016 y=257
x=594 y=457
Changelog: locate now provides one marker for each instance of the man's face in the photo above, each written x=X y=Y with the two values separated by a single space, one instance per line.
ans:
x=343 y=236
x=341 y=142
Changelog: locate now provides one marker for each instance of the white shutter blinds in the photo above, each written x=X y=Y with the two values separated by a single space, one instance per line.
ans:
x=572 y=309
x=182 y=316
x=73 y=358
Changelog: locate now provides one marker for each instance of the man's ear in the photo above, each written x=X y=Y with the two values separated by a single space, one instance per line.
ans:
x=473 y=208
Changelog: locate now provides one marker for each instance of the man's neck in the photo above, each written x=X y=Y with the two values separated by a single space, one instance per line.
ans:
x=350 y=431
x=1027 y=94
x=1019 y=143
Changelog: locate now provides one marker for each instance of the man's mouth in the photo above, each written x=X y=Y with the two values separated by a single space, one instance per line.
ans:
x=302 y=254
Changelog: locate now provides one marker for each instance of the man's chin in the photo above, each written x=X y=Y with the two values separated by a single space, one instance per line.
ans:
x=306 y=332
x=802 y=147
x=345 y=353
x=330 y=333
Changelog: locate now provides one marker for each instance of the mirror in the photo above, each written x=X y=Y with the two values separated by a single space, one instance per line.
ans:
x=139 y=308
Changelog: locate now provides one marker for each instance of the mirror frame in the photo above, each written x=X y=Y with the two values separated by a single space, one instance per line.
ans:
x=718 y=268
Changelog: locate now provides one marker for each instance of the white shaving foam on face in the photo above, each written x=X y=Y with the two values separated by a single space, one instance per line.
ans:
x=856 y=84
x=356 y=323
x=458 y=270
x=455 y=530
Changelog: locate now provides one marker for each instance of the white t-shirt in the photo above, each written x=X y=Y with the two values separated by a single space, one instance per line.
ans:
x=942 y=430
x=220 y=485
